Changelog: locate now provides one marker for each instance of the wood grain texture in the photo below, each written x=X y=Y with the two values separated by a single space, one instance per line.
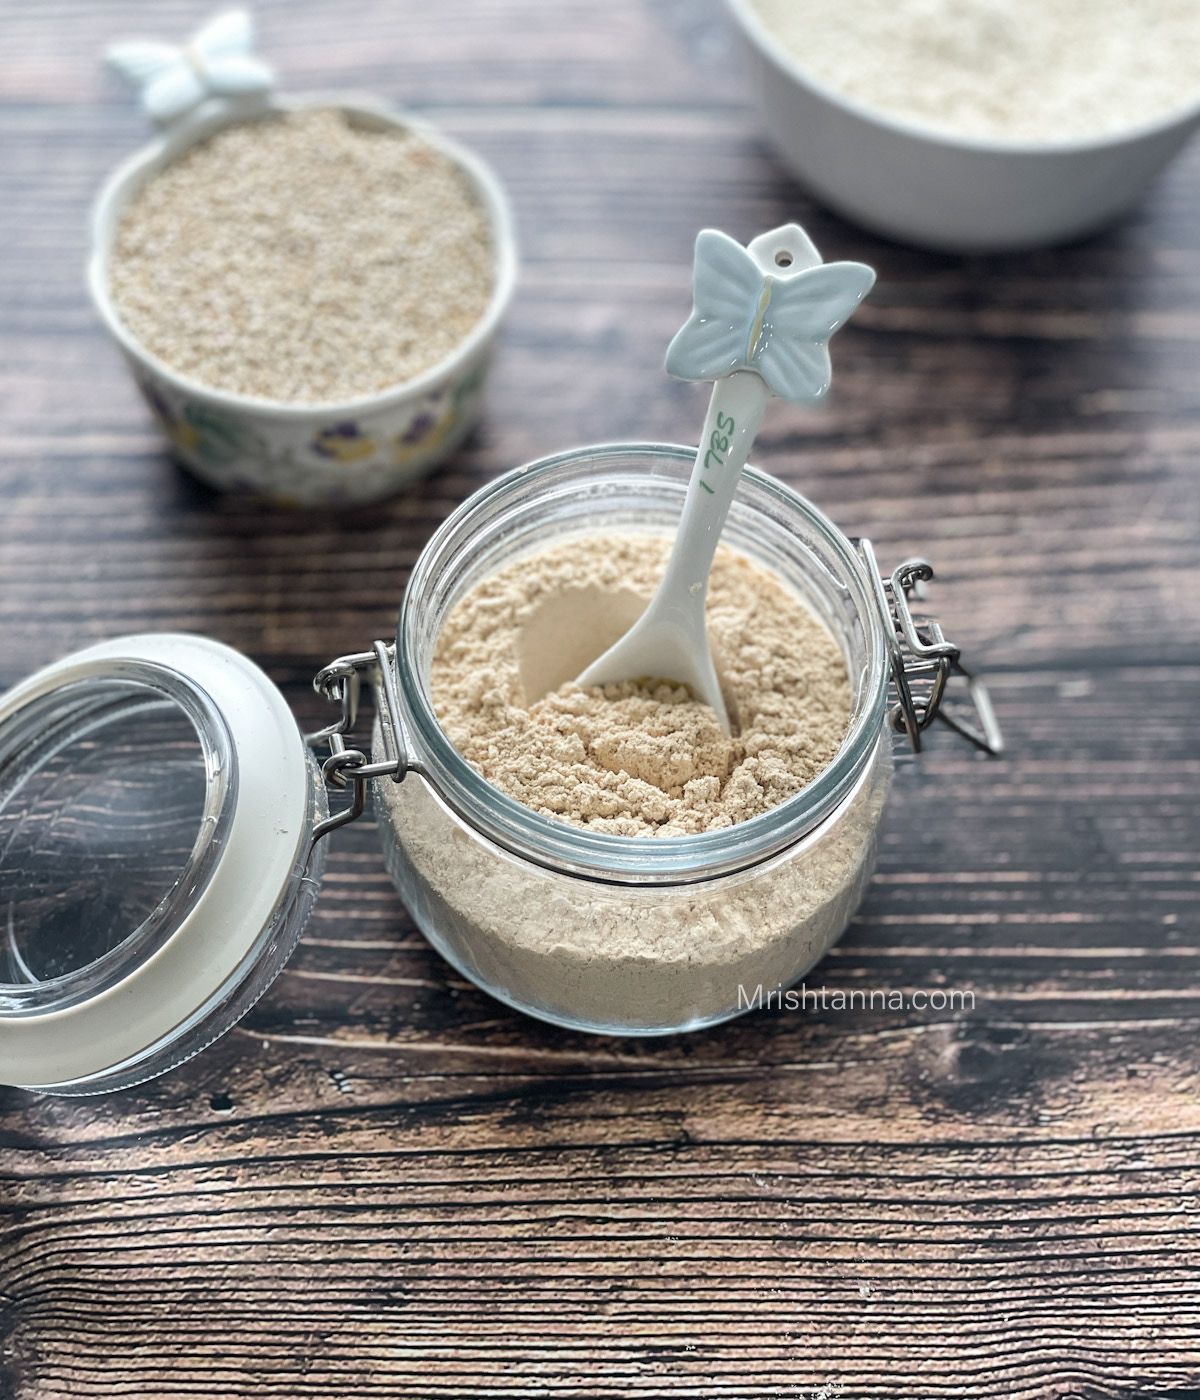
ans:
x=385 y=1184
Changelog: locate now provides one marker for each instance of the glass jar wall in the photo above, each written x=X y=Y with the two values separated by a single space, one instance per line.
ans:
x=632 y=935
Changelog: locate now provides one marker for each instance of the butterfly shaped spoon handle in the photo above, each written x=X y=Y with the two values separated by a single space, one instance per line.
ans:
x=757 y=327
x=217 y=64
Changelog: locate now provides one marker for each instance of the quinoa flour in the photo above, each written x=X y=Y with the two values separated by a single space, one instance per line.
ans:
x=608 y=956
x=304 y=259
x=636 y=758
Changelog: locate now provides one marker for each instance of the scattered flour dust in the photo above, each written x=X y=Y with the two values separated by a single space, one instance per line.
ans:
x=644 y=760
x=304 y=259
x=1024 y=70
x=638 y=758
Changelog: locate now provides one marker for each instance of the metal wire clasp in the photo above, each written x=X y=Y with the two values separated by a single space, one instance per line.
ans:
x=341 y=682
x=924 y=664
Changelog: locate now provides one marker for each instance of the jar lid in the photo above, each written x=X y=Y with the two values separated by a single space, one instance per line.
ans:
x=157 y=807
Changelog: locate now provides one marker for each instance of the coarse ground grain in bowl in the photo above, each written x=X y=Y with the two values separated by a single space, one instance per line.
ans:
x=1009 y=70
x=303 y=258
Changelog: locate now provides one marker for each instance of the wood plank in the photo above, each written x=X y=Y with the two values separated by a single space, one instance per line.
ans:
x=383 y=1182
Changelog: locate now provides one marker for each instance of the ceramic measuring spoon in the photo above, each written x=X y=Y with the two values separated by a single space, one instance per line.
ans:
x=760 y=325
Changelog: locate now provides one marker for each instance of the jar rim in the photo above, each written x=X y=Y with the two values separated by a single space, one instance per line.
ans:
x=601 y=855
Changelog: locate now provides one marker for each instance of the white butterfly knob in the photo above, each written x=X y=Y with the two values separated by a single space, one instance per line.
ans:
x=218 y=61
x=770 y=308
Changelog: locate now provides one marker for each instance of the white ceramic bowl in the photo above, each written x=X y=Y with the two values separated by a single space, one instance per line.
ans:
x=937 y=190
x=358 y=450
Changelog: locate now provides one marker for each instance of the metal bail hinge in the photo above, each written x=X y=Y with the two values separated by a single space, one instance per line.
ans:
x=341 y=682
x=926 y=669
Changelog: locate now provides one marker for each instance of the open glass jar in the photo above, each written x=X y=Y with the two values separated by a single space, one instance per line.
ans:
x=602 y=933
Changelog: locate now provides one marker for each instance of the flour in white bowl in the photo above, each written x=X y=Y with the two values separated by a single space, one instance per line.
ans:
x=1036 y=71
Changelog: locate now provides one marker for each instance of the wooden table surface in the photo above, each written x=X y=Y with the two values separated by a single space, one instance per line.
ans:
x=386 y=1184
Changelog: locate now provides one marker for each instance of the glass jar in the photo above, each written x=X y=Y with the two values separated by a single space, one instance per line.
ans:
x=616 y=934
x=161 y=815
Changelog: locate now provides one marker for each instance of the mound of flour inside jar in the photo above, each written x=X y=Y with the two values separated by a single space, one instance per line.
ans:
x=304 y=259
x=637 y=758
x=1026 y=70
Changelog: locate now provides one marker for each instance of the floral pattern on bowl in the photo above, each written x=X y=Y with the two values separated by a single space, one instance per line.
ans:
x=344 y=442
x=345 y=460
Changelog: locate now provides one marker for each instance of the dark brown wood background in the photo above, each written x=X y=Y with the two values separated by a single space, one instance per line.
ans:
x=384 y=1183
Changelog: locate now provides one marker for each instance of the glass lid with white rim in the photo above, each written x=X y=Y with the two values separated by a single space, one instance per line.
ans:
x=157 y=811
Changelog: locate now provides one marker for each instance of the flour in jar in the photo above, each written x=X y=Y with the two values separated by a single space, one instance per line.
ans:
x=632 y=760
x=1011 y=70
x=637 y=758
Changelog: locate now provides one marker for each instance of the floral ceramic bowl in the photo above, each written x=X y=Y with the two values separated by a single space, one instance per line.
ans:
x=296 y=454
